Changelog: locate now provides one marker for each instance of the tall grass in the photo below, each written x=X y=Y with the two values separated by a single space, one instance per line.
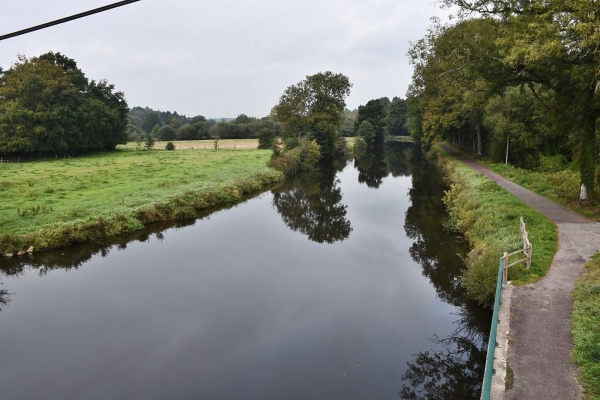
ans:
x=53 y=203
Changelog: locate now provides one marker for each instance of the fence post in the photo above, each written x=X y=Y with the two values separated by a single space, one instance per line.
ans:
x=529 y=254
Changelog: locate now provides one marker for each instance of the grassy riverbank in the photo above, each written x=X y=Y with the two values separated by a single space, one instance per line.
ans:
x=560 y=183
x=488 y=216
x=54 y=203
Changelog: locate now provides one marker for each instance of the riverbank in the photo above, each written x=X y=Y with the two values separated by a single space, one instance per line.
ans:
x=50 y=204
x=541 y=338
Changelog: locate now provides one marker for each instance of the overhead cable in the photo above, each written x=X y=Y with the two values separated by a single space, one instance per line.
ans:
x=67 y=19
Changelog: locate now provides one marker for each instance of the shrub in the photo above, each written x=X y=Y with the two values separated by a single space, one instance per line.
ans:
x=482 y=271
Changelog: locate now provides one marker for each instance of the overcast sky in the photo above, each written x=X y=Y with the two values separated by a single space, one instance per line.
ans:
x=222 y=58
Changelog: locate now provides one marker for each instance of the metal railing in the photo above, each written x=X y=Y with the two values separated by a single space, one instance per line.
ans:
x=489 y=362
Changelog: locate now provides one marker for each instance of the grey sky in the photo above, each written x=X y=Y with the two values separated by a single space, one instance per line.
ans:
x=222 y=58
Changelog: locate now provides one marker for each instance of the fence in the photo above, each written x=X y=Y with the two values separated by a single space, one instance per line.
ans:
x=526 y=250
x=501 y=281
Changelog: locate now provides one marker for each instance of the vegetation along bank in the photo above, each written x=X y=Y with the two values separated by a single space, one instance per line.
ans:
x=59 y=202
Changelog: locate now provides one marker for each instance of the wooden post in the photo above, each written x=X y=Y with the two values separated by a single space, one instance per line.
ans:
x=529 y=254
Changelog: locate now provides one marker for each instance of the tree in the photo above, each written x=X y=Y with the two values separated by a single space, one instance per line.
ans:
x=397 y=117
x=314 y=108
x=366 y=131
x=150 y=121
x=187 y=132
x=375 y=112
x=266 y=138
x=48 y=105
x=554 y=43
x=166 y=132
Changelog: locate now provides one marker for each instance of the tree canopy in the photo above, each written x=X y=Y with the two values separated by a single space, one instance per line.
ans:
x=314 y=108
x=47 y=105
x=547 y=49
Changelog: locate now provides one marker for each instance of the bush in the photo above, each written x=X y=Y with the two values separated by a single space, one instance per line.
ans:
x=482 y=272
x=170 y=146
x=304 y=157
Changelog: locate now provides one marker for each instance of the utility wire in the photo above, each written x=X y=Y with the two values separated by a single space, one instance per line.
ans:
x=67 y=19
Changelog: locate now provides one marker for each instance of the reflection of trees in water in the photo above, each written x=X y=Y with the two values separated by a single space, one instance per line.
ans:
x=455 y=369
x=393 y=158
x=4 y=299
x=313 y=206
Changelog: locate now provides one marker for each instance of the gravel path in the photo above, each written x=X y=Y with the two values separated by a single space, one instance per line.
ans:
x=540 y=326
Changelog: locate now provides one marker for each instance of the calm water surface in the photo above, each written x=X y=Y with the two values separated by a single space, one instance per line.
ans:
x=339 y=287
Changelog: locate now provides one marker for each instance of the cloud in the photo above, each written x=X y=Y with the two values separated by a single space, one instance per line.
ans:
x=223 y=58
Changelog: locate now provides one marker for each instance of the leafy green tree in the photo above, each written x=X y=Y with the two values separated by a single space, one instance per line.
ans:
x=348 y=128
x=48 y=105
x=314 y=108
x=456 y=69
x=166 y=132
x=554 y=43
x=266 y=138
x=397 y=117
x=149 y=142
x=367 y=132
x=187 y=132
x=150 y=121
x=375 y=112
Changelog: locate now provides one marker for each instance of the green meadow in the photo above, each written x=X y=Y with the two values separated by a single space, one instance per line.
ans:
x=54 y=203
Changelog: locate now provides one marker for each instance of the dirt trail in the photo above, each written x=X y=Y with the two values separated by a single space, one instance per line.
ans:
x=540 y=326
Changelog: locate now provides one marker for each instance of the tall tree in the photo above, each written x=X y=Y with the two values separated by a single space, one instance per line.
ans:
x=314 y=108
x=48 y=105
x=375 y=112
x=554 y=43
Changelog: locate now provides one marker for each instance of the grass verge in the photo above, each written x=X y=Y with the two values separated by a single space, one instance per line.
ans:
x=585 y=321
x=488 y=216
x=54 y=203
x=560 y=184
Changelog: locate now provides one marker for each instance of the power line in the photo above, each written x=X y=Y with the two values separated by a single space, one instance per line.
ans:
x=67 y=19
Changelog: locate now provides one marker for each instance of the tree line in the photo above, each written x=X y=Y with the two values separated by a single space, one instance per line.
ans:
x=516 y=81
x=49 y=106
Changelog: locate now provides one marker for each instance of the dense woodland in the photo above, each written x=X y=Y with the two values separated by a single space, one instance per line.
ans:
x=513 y=80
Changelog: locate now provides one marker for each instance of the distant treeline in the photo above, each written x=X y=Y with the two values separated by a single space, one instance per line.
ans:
x=387 y=117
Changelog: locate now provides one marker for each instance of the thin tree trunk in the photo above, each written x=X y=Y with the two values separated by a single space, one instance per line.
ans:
x=588 y=147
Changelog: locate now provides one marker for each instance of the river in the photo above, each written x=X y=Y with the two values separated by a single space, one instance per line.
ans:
x=342 y=285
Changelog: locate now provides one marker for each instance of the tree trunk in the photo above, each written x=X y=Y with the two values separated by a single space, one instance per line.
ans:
x=479 y=139
x=588 y=147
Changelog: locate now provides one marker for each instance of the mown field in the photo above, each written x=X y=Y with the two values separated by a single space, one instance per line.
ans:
x=51 y=203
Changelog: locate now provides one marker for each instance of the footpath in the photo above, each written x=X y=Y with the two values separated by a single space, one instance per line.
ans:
x=540 y=339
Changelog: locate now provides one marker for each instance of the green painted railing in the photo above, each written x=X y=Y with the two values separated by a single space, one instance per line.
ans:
x=489 y=362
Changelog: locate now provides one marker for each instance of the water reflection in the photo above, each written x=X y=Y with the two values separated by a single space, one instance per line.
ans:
x=374 y=166
x=455 y=369
x=312 y=205
x=239 y=303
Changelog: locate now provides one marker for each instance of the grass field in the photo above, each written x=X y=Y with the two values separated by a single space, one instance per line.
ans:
x=51 y=203
x=208 y=144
